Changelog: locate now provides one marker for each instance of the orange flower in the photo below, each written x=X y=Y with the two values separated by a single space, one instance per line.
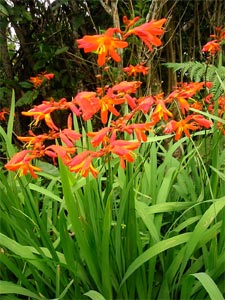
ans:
x=42 y=112
x=69 y=136
x=88 y=103
x=21 y=161
x=99 y=136
x=108 y=103
x=36 y=141
x=128 y=87
x=145 y=103
x=184 y=92
x=55 y=151
x=149 y=32
x=212 y=47
x=129 y=23
x=124 y=149
x=139 y=130
x=82 y=163
x=3 y=112
x=202 y=121
x=133 y=70
x=37 y=81
x=191 y=122
x=161 y=112
x=104 y=45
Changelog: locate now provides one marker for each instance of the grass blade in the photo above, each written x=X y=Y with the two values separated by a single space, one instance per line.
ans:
x=153 y=251
x=209 y=285
x=94 y=295
x=7 y=287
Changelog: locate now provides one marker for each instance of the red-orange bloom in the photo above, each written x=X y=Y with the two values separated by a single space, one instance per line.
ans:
x=55 y=151
x=184 y=92
x=191 y=122
x=133 y=70
x=37 y=80
x=42 y=112
x=82 y=163
x=212 y=47
x=69 y=136
x=49 y=76
x=3 y=112
x=36 y=141
x=108 y=103
x=104 y=45
x=21 y=161
x=88 y=103
x=149 y=32
x=139 y=130
x=145 y=103
x=161 y=112
x=99 y=137
x=202 y=121
x=129 y=23
x=124 y=149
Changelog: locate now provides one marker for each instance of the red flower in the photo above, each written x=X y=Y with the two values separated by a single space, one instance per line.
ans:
x=69 y=136
x=145 y=103
x=3 y=112
x=191 y=122
x=89 y=104
x=49 y=76
x=161 y=112
x=21 y=161
x=133 y=70
x=128 y=87
x=202 y=121
x=99 y=136
x=104 y=45
x=124 y=149
x=149 y=32
x=82 y=163
x=42 y=112
x=55 y=151
x=129 y=23
x=108 y=102
x=212 y=47
x=37 y=80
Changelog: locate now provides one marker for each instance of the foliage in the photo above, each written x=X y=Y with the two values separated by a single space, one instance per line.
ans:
x=197 y=71
x=131 y=228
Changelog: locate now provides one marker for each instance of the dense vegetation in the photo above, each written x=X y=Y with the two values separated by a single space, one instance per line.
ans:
x=112 y=140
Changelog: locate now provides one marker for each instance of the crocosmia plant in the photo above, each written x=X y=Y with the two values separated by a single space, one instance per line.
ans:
x=120 y=133
x=118 y=193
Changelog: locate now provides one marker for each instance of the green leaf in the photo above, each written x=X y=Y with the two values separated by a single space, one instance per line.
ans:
x=7 y=287
x=94 y=295
x=61 y=50
x=3 y=10
x=220 y=174
x=209 y=285
x=27 y=98
x=206 y=219
x=44 y=191
x=153 y=251
x=26 y=85
x=27 y=15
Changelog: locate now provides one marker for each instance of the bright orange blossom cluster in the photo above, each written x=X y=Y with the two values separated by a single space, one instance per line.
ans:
x=109 y=141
